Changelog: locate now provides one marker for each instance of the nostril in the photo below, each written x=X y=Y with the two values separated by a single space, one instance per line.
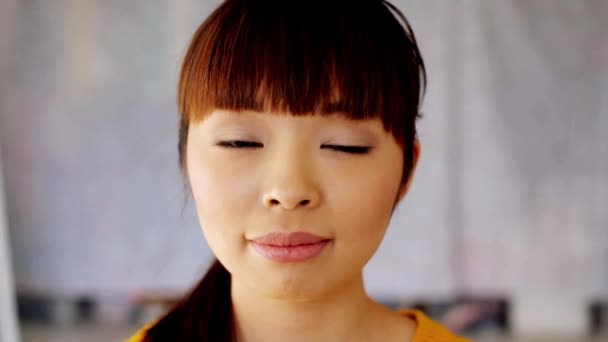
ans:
x=274 y=202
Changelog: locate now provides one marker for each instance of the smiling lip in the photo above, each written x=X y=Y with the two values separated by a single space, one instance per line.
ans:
x=289 y=247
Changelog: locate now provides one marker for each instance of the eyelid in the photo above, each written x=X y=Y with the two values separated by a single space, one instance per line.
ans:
x=352 y=149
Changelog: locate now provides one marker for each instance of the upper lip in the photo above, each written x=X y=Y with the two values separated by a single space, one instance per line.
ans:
x=289 y=239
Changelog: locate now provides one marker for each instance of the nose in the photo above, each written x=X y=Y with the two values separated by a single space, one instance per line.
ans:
x=291 y=194
x=291 y=185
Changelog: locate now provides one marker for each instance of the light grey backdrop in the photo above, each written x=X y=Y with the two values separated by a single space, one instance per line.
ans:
x=511 y=194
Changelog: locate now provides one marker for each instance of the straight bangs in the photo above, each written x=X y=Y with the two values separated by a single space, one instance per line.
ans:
x=356 y=58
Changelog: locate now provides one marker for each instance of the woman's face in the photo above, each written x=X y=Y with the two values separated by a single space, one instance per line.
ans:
x=254 y=174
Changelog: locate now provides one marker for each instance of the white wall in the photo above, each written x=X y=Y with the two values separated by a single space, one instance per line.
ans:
x=8 y=310
x=8 y=321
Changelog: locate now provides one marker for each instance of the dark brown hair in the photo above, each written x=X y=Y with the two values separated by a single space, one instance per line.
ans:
x=297 y=57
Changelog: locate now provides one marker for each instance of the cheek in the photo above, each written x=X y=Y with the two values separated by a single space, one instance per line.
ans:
x=372 y=205
x=222 y=199
x=366 y=202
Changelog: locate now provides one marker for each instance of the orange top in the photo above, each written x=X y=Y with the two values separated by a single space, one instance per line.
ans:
x=427 y=330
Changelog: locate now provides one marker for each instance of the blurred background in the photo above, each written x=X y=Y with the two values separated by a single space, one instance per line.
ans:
x=506 y=224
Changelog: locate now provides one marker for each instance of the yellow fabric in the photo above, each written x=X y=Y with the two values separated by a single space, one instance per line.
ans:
x=427 y=330
x=139 y=336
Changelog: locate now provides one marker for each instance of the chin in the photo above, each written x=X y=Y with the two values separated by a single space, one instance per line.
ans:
x=296 y=286
x=293 y=292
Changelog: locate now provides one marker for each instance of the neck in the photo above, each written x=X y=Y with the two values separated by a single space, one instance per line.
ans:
x=340 y=315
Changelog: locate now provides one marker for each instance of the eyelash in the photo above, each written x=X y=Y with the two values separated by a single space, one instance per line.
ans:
x=238 y=144
x=340 y=148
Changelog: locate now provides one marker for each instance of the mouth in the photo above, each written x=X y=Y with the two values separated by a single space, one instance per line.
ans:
x=289 y=247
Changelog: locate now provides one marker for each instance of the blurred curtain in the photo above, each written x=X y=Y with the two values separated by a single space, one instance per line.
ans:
x=512 y=189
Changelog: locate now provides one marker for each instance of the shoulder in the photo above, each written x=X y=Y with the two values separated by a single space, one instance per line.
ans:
x=427 y=330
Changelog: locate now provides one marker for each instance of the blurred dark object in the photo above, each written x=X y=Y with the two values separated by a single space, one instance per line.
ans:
x=48 y=309
x=34 y=308
x=86 y=307
x=598 y=312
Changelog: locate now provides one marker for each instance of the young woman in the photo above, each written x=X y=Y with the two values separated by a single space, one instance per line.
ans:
x=297 y=141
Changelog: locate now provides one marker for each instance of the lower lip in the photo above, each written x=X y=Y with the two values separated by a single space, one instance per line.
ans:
x=298 y=253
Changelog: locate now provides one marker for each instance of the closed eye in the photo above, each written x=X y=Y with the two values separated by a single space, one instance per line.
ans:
x=349 y=149
x=239 y=144
x=250 y=144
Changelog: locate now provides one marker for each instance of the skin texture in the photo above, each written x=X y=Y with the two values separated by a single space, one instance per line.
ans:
x=292 y=178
